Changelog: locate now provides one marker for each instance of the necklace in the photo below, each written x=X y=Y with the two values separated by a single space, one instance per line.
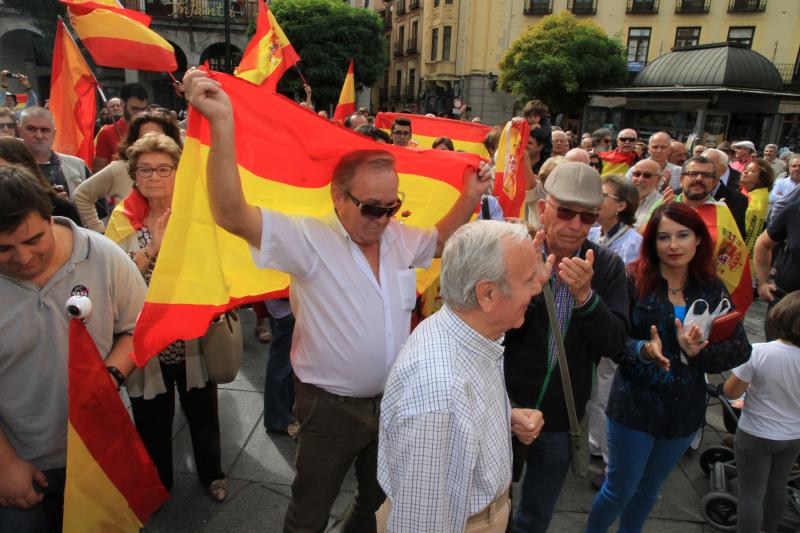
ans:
x=675 y=291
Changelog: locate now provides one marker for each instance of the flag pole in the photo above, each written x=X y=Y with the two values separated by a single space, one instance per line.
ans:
x=97 y=83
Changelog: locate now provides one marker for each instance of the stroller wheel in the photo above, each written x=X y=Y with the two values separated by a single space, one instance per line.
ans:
x=715 y=454
x=719 y=510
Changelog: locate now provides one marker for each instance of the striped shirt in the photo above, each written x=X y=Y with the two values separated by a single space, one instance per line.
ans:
x=444 y=451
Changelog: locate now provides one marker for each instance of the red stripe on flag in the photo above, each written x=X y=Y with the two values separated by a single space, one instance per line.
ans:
x=137 y=55
x=83 y=8
x=104 y=425
x=437 y=127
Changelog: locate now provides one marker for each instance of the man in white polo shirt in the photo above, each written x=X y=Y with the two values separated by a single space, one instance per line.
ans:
x=353 y=290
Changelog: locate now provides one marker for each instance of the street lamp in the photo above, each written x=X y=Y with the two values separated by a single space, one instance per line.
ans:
x=492 y=80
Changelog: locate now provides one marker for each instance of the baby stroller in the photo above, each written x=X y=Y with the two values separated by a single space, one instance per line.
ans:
x=719 y=505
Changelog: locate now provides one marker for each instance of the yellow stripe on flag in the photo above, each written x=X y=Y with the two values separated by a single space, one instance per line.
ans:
x=107 y=24
x=92 y=501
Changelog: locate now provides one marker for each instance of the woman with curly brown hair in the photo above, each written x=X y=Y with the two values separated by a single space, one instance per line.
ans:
x=113 y=180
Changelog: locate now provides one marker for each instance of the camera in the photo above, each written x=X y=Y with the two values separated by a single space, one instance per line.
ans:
x=79 y=307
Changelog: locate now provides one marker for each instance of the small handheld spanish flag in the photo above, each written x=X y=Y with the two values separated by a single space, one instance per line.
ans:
x=269 y=53
x=347 y=100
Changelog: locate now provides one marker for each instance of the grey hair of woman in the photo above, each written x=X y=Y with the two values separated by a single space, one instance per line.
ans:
x=474 y=253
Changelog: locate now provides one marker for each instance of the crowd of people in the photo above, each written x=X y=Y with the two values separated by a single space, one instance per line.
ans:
x=565 y=332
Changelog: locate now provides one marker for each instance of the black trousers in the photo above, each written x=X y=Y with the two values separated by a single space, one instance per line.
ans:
x=153 y=419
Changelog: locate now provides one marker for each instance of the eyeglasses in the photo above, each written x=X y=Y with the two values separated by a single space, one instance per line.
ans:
x=699 y=174
x=595 y=164
x=567 y=214
x=7 y=125
x=646 y=175
x=607 y=141
x=375 y=211
x=626 y=139
x=402 y=133
x=609 y=195
x=164 y=171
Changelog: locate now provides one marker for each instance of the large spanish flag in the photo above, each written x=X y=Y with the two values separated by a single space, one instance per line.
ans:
x=112 y=485
x=509 y=177
x=120 y=38
x=730 y=250
x=347 y=99
x=286 y=155
x=466 y=136
x=269 y=53
x=73 y=101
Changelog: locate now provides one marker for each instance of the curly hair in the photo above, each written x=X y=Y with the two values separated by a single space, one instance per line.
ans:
x=165 y=121
x=151 y=142
x=766 y=176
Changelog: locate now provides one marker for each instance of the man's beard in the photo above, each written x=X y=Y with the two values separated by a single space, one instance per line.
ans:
x=695 y=196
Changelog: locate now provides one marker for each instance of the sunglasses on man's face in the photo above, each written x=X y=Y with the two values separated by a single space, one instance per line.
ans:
x=376 y=211
x=627 y=139
x=645 y=175
x=567 y=214
x=7 y=125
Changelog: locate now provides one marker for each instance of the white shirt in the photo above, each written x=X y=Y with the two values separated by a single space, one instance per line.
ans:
x=674 y=171
x=782 y=187
x=626 y=242
x=348 y=328
x=645 y=207
x=444 y=450
x=772 y=404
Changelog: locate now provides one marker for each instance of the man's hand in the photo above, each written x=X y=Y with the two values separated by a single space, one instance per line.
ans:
x=23 y=79
x=766 y=291
x=475 y=183
x=526 y=424
x=577 y=274
x=206 y=95
x=691 y=340
x=668 y=196
x=544 y=269
x=653 y=350
x=16 y=484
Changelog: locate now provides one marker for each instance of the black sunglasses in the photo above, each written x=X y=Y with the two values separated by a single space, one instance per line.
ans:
x=626 y=139
x=565 y=213
x=375 y=211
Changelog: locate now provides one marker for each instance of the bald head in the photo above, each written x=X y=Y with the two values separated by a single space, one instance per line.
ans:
x=659 y=147
x=645 y=176
x=677 y=153
x=578 y=155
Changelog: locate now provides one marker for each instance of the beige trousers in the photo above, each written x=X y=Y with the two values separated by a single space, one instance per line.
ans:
x=494 y=521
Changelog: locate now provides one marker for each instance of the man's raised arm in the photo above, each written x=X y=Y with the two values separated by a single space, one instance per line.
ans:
x=228 y=204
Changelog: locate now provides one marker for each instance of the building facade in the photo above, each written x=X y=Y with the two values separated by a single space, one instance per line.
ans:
x=463 y=41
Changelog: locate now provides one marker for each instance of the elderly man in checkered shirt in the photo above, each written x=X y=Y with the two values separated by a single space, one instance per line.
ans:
x=444 y=451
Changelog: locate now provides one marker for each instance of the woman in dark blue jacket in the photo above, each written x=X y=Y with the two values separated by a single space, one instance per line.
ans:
x=658 y=400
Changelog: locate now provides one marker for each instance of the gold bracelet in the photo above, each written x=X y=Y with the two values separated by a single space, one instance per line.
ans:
x=148 y=256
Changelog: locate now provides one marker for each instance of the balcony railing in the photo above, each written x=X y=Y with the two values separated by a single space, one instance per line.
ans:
x=398 y=48
x=642 y=7
x=746 y=6
x=692 y=6
x=538 y=7
x=240 y=10
x=387 y=19
x=412 y=47
x=413 y=4
x=582 y=7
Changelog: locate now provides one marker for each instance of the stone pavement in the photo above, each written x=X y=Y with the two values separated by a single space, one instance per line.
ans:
x=260 y=467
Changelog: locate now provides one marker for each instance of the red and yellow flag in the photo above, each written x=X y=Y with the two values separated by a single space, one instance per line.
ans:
x=286 y=155
x=509 y=176
x=73 y=101
x=128 y=216
x=466 y=136
x=269 y=53
x=120 y=38
x=347 y=100
x=112 y=485
x=615 y=162
x=733 y=262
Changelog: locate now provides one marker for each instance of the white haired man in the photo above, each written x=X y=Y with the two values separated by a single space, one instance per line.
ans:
x=771 y=157
x=446 y=392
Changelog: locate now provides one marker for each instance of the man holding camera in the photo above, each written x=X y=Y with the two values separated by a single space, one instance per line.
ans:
x=44 y=261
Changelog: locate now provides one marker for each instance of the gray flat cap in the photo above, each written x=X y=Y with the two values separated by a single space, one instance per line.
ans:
x=575 y=183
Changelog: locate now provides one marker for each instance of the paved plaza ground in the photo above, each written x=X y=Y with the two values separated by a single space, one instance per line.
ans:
x=260 y=467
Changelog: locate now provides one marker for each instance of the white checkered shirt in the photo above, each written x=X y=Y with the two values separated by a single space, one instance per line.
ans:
x=444 y=451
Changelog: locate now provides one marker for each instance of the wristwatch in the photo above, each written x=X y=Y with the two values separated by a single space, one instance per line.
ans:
x=119 y=377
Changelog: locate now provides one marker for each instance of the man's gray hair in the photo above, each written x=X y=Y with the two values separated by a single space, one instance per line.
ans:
x=36 y=112
x=773 y=146
x=474 y=253
x=723 y=157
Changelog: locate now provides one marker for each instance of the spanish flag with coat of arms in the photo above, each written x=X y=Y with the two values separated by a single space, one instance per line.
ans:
x=269 y=53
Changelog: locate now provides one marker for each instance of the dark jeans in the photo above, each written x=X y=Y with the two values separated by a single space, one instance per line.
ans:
x=279 y=381
x=44 y=517
x=335 y=432
x=546 y=467
x=153 y=419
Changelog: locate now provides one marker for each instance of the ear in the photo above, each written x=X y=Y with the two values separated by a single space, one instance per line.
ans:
x=485 y=294
x=542 y=207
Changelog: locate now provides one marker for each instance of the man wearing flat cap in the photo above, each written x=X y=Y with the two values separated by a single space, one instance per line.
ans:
x=591 y=300
x=744 y=154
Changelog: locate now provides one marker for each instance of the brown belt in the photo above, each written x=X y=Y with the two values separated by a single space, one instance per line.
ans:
x=490 y=510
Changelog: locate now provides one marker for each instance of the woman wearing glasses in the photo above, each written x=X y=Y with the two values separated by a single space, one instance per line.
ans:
x=658 y=397
x=137 y=225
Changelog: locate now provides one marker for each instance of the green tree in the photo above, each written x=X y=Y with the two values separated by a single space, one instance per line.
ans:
x=327 y=34
x=559 y=60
